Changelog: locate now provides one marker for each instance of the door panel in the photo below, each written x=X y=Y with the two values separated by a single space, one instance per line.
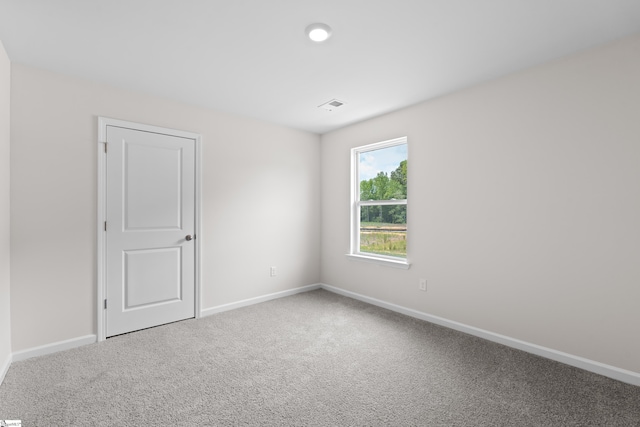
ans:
x=150 y=265
x=152 y=276
x=152 y=197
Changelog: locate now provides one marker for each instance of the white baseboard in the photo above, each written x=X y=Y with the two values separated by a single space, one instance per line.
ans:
x=90 y=339
x=53 y=347
x=257 y=300
x=559 y=356
x=5 y=367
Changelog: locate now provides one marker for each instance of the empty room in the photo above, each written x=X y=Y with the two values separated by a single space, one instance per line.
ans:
x=322 y=213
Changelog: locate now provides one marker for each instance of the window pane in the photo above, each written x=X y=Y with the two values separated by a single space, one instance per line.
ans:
x=382 y=174
x=383 y=230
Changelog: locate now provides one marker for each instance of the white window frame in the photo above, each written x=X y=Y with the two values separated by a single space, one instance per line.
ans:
x=356 y=204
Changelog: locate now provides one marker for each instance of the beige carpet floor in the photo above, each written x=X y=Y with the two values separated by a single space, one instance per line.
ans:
x=312 y=359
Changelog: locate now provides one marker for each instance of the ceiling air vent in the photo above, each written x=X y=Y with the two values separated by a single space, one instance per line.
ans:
x=332 y=105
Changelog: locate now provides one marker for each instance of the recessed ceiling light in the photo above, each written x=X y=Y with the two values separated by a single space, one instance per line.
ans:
x=318 y=32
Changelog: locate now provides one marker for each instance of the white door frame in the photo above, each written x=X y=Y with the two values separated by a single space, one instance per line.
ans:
x=101 y=282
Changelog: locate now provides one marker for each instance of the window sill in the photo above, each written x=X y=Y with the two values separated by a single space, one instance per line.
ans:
x=403 y=264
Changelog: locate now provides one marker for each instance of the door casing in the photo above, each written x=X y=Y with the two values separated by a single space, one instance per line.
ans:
x=103 y=122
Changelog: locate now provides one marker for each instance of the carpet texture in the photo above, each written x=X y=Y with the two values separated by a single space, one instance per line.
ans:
x=312 y=359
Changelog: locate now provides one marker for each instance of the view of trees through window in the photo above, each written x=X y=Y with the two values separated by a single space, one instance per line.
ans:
x=383 y=209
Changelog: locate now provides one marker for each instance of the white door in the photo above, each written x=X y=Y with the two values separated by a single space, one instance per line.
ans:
x=150 y=213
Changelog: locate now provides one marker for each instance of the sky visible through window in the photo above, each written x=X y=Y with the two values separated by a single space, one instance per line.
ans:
x=383 y=160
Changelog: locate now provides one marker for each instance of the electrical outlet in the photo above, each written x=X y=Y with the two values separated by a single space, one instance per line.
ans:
x=422 y=285
x=273 y=272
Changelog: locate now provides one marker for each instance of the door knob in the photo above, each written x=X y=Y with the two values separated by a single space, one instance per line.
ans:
x=188 y=237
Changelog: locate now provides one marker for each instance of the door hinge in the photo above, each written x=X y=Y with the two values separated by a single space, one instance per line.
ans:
x=105 y=304
x=105 y=226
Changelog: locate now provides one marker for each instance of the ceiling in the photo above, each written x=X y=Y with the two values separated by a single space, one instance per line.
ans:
x=251 y=57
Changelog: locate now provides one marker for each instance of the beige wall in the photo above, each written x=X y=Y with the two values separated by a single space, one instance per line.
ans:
x=260 y=201
x=523 y=206
x=5 y=324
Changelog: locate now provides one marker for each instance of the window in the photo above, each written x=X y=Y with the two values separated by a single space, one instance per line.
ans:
x=379 y=203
